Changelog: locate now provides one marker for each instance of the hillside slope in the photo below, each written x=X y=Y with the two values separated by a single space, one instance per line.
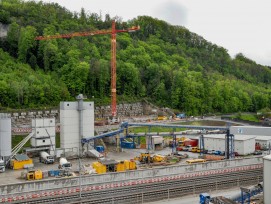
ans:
x=167 y=64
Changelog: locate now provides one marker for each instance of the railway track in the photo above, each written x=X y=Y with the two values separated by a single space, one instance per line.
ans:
x=156 y=191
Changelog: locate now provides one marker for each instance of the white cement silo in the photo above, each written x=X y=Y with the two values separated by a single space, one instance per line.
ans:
x=267 y=178
x=5 y=135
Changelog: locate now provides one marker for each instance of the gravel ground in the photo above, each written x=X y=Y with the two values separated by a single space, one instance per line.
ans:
x=13 y=176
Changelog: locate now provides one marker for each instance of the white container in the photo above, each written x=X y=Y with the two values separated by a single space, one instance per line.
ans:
x=40 y=142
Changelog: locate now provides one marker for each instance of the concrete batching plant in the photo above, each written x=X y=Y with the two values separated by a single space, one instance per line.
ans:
x=5 y=139
x=77 y=122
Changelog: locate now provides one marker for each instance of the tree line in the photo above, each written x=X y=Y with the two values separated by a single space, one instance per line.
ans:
x=166 y=64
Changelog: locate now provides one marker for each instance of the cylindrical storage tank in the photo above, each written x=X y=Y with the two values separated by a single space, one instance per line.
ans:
x=5 y=135
x=267 y=179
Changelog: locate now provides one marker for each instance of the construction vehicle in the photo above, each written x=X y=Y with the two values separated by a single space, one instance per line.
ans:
x=34 y=175
x=180 y=115
x=158 y=158
x=64 y=164
x=162 y=118
x=144 y=158
x=46 y=158
x=194 y=149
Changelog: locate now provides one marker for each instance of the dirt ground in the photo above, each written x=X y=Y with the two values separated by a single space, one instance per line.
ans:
x=13 y=176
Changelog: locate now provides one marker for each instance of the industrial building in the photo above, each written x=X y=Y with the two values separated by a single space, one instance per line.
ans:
x=156 y=143
x=243 y=144
x=77 y=122
x=263 y=142
x=250 y=130
x=5 y=137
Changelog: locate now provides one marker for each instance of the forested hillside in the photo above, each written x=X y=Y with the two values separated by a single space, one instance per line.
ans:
x=166 y=64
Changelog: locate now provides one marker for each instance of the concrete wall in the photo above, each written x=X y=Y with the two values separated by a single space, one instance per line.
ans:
x=22 y=188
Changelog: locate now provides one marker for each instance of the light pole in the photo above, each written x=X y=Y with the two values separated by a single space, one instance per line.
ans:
x=80 y=179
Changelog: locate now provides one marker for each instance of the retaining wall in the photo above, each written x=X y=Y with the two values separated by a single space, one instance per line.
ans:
x=170 y=171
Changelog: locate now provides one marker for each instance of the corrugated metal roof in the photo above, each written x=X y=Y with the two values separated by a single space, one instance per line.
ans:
x=236 y=137
x=109 y=162
x=264 y=138
x=21 y=157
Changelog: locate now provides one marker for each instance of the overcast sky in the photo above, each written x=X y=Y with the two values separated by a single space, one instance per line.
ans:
x=237 y=25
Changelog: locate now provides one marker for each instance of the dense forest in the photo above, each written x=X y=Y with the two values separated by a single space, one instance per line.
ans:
x=168 y=65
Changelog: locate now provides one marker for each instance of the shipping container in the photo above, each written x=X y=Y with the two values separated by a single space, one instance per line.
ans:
x=100 y=149
x=192 y=142
x=21 y=162
x=127 y=145
x=100 y=168
x=120 y=167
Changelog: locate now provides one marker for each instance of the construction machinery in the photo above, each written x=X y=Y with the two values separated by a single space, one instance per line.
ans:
x=158 y=158
x=34 y=175
x=64 y=164
x=144 y=158
x=105 y=166
x=46 y=158
x=113 y=33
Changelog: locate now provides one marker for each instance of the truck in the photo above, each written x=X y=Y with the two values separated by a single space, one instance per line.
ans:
x=180 y=115
x=2 y=165
x=46 y=158
x=187 y=148
x=64 y=164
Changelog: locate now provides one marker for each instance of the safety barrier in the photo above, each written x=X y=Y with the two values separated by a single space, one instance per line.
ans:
x=128 y=183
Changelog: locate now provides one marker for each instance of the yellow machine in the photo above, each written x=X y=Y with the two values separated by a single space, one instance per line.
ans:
x=121 y=166
x=194 y=149
x=192 y=161
x=105 y=166
x=130 y=165
x=162 y=118
x=144 y=158
x=158 y=158
x=99 y=167
x=21 y=161
x=34 y=175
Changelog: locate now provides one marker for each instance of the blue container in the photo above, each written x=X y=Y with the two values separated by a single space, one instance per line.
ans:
x=54 y=173
x=100 y=149
x=127 y=145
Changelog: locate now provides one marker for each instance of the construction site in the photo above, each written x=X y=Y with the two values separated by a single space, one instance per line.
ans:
x=114 y=154
x=114 y=163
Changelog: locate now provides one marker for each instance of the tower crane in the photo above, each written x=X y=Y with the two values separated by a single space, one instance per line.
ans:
x=113 y=33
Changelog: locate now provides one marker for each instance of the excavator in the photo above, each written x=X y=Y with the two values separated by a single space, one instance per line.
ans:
x=146 y=158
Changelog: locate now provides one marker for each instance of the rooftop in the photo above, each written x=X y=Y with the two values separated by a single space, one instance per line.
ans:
x=236 y=137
